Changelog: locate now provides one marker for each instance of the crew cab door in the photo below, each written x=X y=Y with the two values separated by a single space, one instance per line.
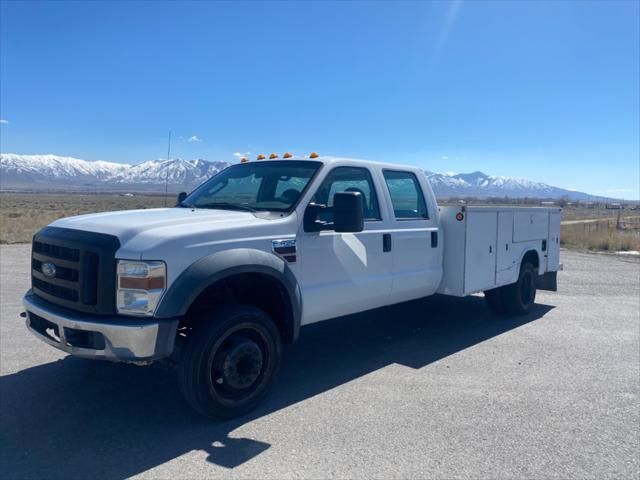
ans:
x=415 y=236
x=343 y=273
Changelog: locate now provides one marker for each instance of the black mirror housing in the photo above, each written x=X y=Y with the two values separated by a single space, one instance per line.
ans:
x=310 y=220
x=348 y=212
x=181 y=197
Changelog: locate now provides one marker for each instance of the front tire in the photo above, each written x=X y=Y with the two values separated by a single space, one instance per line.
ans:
x=229 y=361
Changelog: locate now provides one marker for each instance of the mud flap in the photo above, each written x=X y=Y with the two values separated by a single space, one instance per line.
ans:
x=548 y=281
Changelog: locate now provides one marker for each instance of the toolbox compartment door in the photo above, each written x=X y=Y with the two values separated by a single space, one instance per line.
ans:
x=530 y=226
x=508 y=256
x=553 y=259
x=480 y=251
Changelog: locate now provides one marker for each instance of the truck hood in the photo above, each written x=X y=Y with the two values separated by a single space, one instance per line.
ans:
x=140 y=230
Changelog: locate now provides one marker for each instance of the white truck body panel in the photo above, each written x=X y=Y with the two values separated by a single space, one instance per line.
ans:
x=344 y=273
x=480 y=251
x=484 y=249
x=553 y=259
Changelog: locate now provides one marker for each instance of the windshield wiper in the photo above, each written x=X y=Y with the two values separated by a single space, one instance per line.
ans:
x=227 y=206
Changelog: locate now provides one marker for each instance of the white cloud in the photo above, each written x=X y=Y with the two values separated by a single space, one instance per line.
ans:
x=4 y=122
x=240 y=155
x=444 y=157
x=194 y=138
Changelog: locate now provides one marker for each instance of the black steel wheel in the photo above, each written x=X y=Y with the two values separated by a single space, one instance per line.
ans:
x=229 y=361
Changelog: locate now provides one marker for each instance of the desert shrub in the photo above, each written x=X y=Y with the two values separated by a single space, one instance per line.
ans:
x=22 y=215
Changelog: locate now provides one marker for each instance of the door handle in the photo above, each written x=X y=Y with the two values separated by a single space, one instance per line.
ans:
x=386 y=242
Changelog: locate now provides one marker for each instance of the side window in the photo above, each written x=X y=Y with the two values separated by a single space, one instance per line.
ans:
x=348 y=179
x=406 y=195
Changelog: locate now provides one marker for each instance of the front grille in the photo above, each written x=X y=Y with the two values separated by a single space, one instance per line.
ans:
x=83 y=276
x=69 y=274
x=56 y=251
x=56 y=290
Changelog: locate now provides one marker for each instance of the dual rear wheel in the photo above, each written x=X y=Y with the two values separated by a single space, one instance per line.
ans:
x=516 y=298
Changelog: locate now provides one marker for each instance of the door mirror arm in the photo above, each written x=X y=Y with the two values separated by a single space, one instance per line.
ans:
x=311 y=222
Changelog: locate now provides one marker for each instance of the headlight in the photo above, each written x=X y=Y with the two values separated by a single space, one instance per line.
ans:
x=140 y=286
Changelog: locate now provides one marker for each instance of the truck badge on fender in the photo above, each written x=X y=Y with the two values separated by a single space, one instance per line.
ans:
x=285 y=249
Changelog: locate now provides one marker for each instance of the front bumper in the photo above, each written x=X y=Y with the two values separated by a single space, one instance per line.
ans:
x=116 y=338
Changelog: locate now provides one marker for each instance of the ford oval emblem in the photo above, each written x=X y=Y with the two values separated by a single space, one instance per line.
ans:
x=48 y=269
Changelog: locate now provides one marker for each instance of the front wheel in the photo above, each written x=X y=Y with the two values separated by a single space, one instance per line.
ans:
x=229 y=361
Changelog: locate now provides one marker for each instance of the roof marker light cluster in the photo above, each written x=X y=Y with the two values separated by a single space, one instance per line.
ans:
x=273 y=156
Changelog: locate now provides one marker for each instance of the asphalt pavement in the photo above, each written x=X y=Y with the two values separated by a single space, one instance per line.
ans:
x=436 y=388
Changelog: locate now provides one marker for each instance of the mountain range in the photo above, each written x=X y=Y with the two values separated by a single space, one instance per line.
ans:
x=55 y=173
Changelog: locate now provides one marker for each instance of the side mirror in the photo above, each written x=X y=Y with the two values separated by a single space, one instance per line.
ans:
x=348 y=212
x=181 y=197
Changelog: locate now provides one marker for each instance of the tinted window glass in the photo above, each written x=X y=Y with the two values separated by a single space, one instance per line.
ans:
x=290 y=186
x=348 y=179
x=406 y=195
x=269 y=186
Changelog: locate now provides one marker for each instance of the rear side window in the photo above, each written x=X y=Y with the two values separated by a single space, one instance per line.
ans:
x=406 y=195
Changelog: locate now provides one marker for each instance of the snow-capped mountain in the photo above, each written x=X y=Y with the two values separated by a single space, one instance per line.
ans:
x=478 y=184
x=52 y=172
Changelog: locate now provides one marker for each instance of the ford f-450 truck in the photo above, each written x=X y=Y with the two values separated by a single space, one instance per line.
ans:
x=218 y=283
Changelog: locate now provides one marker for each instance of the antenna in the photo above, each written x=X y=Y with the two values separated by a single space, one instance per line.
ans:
x=166 y=175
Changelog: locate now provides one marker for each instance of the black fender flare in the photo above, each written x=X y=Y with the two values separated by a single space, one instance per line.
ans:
x=208 y=270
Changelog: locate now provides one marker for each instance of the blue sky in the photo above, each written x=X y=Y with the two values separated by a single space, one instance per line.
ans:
x=544 y=91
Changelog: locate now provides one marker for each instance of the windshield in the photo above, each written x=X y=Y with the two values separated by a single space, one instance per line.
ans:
x=268 y=186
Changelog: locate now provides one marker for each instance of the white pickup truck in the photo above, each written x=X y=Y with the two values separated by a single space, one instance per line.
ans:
x=218 y=283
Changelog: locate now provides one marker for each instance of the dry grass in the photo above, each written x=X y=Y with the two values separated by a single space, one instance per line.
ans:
x=602 y=235
x=580 y=213
x=21 y=215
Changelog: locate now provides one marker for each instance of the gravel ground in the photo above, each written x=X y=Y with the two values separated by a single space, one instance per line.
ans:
x=436 y=388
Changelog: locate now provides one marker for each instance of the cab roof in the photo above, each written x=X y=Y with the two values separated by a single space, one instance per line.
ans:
x=346 y=161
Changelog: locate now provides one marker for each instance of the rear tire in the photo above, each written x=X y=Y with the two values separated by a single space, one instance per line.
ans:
x=519 y=297
x=229 y=361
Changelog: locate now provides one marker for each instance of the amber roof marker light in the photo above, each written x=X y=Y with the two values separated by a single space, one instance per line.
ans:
x=314 y=155
x=260 y=157
x=287 y=155
x=244 y=160
x=272 y=156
